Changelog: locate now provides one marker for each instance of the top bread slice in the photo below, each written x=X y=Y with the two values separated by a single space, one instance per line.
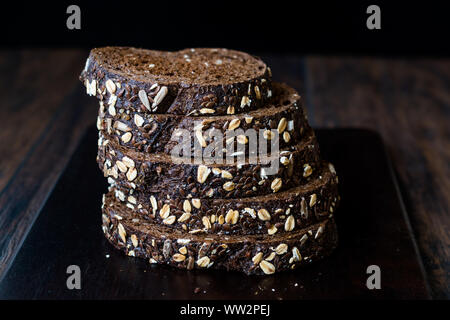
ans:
x=187 y=82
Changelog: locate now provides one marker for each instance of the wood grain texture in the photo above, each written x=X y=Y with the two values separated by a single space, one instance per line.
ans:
x=33 y=84
x=408 y=103
x=44 y=118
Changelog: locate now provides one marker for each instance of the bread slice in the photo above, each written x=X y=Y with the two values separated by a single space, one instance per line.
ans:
x=283 y=212
x=158 y=173
x=186 y=82
x=157 y=133
x=251 y=254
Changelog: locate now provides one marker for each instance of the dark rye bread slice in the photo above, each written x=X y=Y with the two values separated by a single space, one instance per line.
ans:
x=156 y=133
x=158 y=173
x=251 y=254
x=186 y=82
x=283 y=212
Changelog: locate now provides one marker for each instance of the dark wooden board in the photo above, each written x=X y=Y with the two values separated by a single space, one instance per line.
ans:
x=372 y=223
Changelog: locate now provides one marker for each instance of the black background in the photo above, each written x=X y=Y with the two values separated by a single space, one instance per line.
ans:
x=324 y=27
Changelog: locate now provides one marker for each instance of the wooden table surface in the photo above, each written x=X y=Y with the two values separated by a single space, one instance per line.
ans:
x=407 y=101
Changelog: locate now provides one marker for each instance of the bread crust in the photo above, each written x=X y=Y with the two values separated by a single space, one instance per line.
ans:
x=158 y=173
x=161 y=133
x=272 y=214
x=252 y=255
x=178 y=96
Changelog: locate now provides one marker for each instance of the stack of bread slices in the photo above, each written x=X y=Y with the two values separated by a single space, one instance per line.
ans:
x=197 y=214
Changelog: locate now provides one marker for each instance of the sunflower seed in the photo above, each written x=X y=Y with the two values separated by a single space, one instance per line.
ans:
x=169 y=220
x=268 y=134
x=319 y=232
x=332 y=169
x=242 y=139
x=303 y=209
x=112 y=100
x=99 y=124
x=187 y=206
x=134 y=240
x=290 y=125
x=121 y=126
x=272 y=230
x=183 y=250
x=138 y=120
x=230 y=110
x=178 y=257
x=271 y=256
x=131 y=199
x=202 y=173
x=263 y=214
x=120 y=195
x=307 y=170
x=184 y=217
x=257 y=258
x=203 y=262
x=126 y=137
x=284 y=160
x=296 y=254
x=289 y=224
x=281 y=248
x=114 y=172
x=286 y=137
x=226 y=175
x=234 y=124
x=207 y=111
x=251 y=212
x=144 y=99
x=282 y=125
x=228 y=186
x=199 y=136
x=122 y=167
x=196 y=203
x=245 y=101
x=257 y=92
x=131 y=174
x=276 y=184
x=303 y=239
x=232 y=216
x=92 y=88
x=312 y=200
x=112 y=110
x=86 y=66
x=153 y=203
x=267 y=267
x=160 y=96
x=110 y=86
x=122 y=233
x=165 y=211
x=109 y=126
x=128 y=162
x=206 y=222
x=248 y=120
